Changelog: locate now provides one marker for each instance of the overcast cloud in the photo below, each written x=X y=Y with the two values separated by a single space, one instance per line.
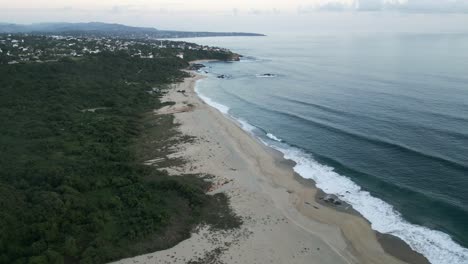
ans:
x=246 y=5
x=249 y=15
x=453 y=6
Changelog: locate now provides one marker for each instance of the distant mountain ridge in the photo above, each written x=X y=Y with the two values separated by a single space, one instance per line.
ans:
x=65 y=27
x=109 y=30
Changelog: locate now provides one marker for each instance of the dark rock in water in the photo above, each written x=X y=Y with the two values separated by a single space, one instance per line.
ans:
x=266 y=75
x=224 y=76
x=330 y=198
x=236 y=57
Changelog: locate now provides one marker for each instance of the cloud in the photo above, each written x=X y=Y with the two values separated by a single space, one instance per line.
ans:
x=255 y=11
x=452 y=6
x=117 y=9
x=417 y=6
x=336 y=6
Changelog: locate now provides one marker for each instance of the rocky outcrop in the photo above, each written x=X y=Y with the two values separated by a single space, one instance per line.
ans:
x=196 y=66
x=236 y=57
x=331 y=198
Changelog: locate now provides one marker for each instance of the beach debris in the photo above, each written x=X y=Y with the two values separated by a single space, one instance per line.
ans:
x=221 y=76
x=311 y=205
x=333 y=199
x=181 y=91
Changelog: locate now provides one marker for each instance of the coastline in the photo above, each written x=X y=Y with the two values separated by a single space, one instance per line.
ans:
x=284 y=221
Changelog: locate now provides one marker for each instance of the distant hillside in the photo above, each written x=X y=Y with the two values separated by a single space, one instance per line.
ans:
x=109 y=30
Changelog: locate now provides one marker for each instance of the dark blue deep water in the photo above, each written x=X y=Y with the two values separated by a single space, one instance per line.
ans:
x=381 y=120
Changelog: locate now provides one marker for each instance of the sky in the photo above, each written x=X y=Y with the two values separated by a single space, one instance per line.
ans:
x=250 y=15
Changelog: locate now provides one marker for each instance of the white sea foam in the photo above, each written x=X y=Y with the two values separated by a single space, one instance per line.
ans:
x=224 y=109
x=220 y=107
x=245 y=125
x=249 y=59
x=273 y=137
x=436 y=246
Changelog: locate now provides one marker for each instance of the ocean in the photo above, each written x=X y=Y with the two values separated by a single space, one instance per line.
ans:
x=381 y=120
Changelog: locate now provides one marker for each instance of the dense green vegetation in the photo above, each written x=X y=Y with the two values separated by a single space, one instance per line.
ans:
x=73 y=188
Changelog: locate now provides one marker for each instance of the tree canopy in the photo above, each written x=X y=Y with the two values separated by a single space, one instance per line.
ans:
x=71 y=187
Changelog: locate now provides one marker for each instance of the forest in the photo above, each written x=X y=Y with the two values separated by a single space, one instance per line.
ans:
x=72 y=186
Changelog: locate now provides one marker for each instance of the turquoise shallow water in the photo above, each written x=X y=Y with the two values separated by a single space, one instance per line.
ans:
x=381 y=120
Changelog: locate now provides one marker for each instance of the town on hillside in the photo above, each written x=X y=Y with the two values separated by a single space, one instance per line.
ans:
x=25 y=48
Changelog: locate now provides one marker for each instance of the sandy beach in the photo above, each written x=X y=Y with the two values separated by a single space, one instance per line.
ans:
x=284 y=221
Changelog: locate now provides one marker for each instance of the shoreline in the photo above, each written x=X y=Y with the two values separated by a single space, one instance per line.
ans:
x=284 y=221
x=391 y=244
